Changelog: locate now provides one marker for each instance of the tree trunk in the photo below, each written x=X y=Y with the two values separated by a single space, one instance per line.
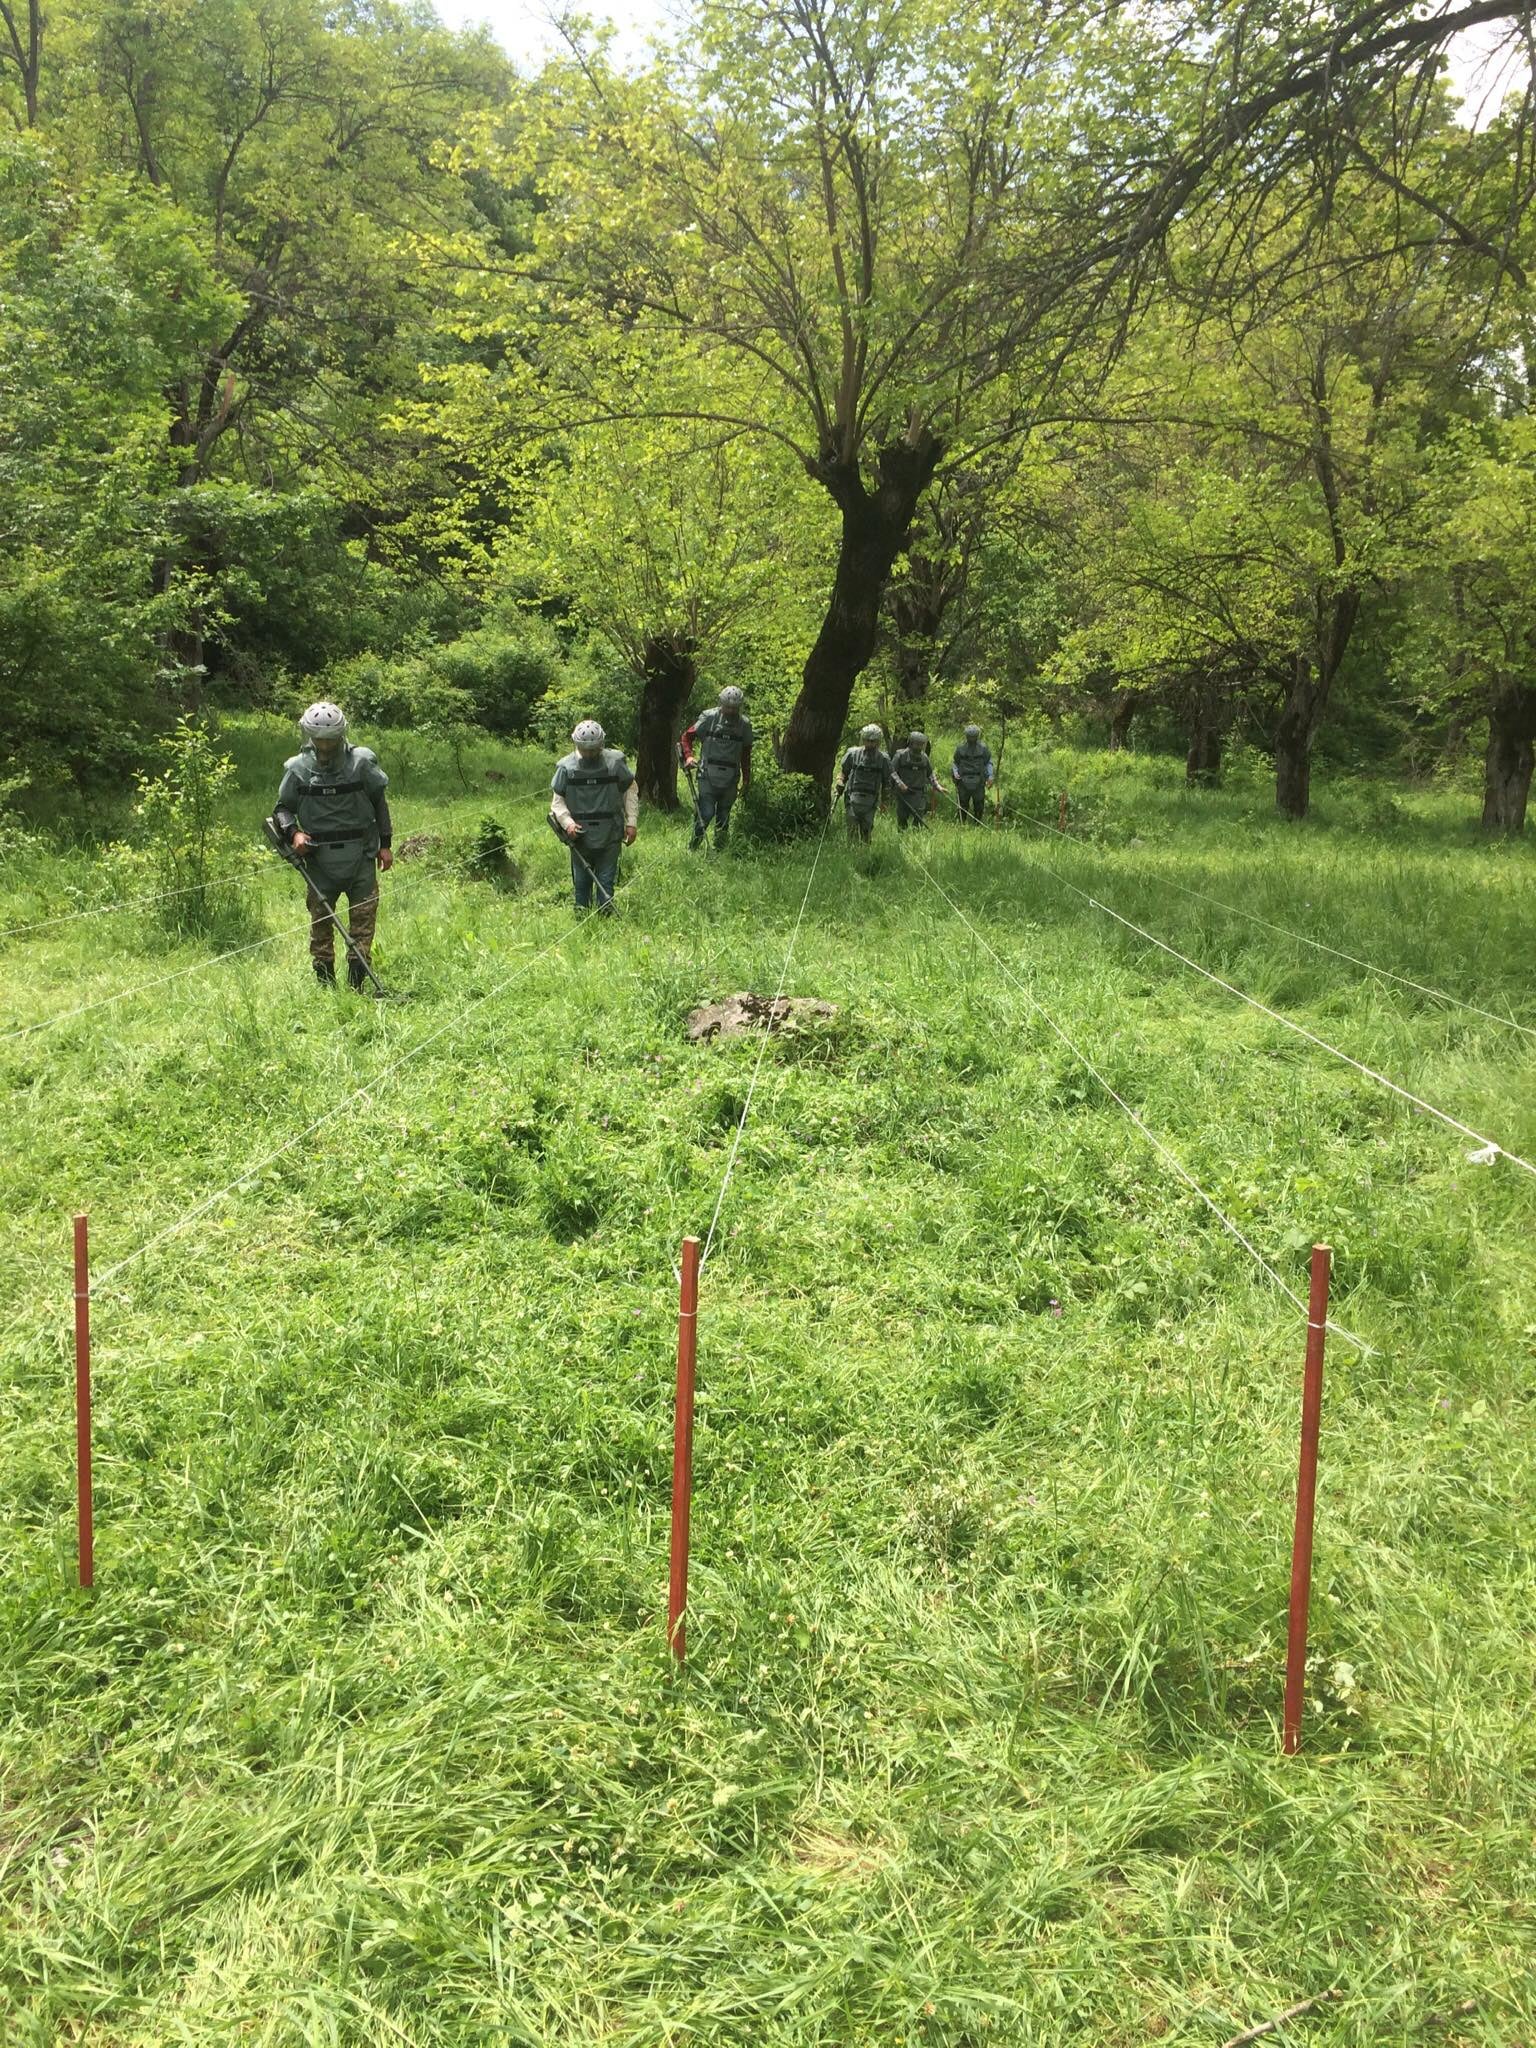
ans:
x=670 y=674
x=25 y=50
x=913 y=667
x=1202 y=764
x=1511 y=751
x=1122 y=709
x=1293 y=747
x=1312 y=680
x=875 y=524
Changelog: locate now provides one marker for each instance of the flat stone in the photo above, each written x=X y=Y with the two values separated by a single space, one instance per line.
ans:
x=733 y=1016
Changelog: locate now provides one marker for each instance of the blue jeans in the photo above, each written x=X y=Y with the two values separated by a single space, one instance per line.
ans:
x=716 y=804
x=585 y=864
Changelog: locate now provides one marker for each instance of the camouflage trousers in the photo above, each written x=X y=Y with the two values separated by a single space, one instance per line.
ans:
x=361 y=890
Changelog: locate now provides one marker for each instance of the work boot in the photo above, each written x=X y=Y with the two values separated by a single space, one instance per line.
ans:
x=697 y=840
x=357 y=976
x=325 y=973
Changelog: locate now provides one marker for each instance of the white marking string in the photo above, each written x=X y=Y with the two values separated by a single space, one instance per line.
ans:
x=1488 y=1145
x=1318 y=945
x=1278 y=1017
x=139 y=987
x=10 y=931
x=201 y=1208
x=1145 y=1129
x=746 y=1107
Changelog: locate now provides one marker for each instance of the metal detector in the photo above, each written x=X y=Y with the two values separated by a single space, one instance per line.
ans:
x=693 y=792
x=299 y=865
x=571 y=846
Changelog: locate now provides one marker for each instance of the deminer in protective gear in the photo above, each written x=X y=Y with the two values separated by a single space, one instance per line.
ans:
x=912 y=771
x=865 y=779
x=596 y=804
x=333 y=813
x=721 y=743
x=972 y=774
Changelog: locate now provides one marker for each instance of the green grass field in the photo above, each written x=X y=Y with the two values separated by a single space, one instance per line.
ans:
x=368 y=1733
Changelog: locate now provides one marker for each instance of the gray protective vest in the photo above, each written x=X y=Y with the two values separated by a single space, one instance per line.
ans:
x=594 y=796
x=972 y=764
x=722 y=743
x=338 y=806
x=866 y=776
x=914 y=770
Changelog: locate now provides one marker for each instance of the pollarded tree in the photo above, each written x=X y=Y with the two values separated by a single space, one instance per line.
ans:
x=849 y=205
x=671 y=541
x=1476 y=615
x=908 y=220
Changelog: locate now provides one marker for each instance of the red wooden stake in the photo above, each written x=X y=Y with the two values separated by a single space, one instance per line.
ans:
x=87 y=1533
x=1306 y=1498
x=682 y=1447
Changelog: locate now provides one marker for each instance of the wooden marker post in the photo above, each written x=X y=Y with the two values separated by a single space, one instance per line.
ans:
x=1061 y=812
x=682 y=1447
x=1306 y=1499
x=86 y=1532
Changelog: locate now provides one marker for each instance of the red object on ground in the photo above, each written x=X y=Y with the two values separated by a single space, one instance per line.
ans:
x=682 y=1447
x=87 y=1530
x=1306 y=1498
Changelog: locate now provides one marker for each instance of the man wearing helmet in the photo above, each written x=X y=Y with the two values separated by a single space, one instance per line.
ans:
x=333 y=812
x=723 y=739
x=865 y=779
x=972 y=772
x=596 y=804
x=913 y=767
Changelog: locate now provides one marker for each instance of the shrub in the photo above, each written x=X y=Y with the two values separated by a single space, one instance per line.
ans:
x=778 y=807
x=187 y=849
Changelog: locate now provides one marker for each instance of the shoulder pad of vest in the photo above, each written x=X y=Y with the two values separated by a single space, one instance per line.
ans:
x=296 y=762
x=366 y=755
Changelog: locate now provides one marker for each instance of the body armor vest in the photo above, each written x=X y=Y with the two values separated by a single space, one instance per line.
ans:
x=594 y=795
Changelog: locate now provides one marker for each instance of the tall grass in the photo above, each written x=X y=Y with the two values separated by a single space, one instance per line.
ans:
x=367 y=1735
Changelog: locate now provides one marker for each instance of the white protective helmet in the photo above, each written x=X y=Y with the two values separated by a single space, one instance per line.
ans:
x=324 y=721
x=871 y=735
x=731 y=698
x=589 y=736
x=917 y=739
x=973 y=732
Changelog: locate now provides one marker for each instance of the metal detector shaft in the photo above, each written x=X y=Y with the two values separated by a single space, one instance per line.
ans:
x=693 y=791
x=300 y=867
x=572 y=846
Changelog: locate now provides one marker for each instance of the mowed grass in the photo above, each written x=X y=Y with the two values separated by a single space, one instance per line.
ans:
x=368 y=1733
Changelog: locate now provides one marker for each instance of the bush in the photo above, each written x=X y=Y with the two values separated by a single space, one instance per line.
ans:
x=591 y=685
x=186 y=848
x=404 y=690
x=488 y=857
x=504 y=672
x=778 y=807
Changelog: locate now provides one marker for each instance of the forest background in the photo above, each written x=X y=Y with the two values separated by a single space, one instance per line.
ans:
x=1163 y=376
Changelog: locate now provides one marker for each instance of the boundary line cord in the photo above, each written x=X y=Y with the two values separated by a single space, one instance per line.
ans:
x=1489 y=1146
x=201 y=1208
x=1404 y=981
x=136 y=988
x=377 y=1080
x=746 y=1107
x=11 y=931
x=1145 y=1129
